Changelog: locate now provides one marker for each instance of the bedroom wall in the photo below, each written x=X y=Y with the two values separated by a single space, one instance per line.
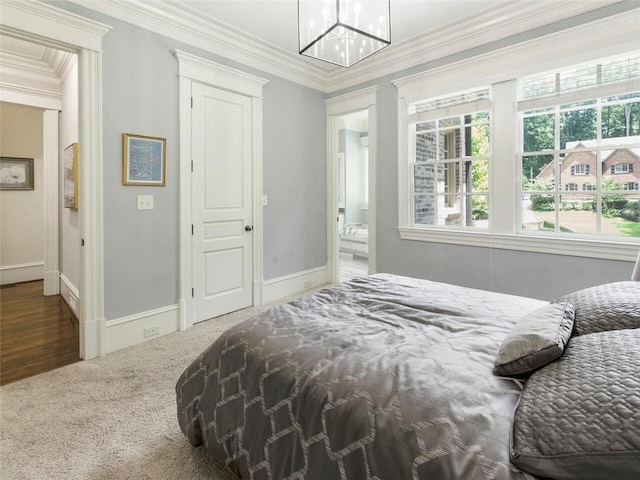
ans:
x=543 y=276
x=140 y=95
x=22 y=211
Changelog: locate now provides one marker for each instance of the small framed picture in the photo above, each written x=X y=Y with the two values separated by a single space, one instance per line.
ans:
x=16 y=173
x=143 y=160
x=71 y=176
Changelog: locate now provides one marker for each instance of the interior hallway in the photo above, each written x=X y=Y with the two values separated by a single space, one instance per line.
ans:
x=37 y=333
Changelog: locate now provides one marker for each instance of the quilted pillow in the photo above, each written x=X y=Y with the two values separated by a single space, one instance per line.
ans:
x=579 y=417
x=611 y=306
x=537 y=339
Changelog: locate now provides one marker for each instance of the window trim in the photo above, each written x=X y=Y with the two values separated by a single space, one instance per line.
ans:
x=601 y=39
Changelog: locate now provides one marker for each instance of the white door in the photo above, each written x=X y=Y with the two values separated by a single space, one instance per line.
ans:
x=222 y=202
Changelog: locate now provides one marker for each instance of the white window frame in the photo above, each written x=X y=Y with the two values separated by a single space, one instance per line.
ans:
x=618 y=168
x=580 y=169
x=604 y=38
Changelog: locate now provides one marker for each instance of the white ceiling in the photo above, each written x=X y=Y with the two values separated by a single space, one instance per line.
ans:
x=275 y=21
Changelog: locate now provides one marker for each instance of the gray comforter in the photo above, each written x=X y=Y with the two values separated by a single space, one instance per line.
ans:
x=382 y=377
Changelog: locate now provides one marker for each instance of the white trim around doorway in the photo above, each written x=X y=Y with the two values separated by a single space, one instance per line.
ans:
x=365 y=99
x=196 y=69
x=55 y=27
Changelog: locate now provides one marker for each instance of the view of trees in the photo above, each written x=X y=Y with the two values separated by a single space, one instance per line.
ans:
x=620 y=117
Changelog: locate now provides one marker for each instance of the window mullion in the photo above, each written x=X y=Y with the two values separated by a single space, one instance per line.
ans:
x=504 y=177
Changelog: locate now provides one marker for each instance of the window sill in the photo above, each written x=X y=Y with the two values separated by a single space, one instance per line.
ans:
x=575 y=247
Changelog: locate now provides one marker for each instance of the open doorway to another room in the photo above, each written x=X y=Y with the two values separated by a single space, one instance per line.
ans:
x=40 y=244
x=353 y=194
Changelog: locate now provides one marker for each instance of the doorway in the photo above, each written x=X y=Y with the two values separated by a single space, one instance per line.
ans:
x=222 y=202
x=239 y=235
x=351 y=165
x=41 y=23
x=353 y=194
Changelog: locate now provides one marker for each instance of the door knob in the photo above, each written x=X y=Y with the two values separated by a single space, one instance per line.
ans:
x=248 y=228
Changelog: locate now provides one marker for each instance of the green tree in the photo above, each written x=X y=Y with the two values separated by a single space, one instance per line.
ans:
x=577 y=125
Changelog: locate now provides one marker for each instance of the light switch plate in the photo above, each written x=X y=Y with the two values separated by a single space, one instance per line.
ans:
x=145 y=202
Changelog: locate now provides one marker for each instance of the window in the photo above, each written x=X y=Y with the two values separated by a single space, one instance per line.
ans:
x=622 y=168
x=630 y=186
x=580 y=169
x=534 y=202
x=450 y=160
x=577 y=122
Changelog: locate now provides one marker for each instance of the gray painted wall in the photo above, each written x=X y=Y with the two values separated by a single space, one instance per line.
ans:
x=140 y=95
x=141 y=248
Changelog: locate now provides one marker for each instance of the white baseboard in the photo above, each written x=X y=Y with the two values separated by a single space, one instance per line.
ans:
x=281 y=287
x=130 y=330
x=71 y=294
x=24 y=272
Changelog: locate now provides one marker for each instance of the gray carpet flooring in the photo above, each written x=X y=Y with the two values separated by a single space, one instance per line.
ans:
x=109 y=418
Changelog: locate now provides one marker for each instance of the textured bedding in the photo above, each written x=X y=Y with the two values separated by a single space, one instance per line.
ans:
x=381 y=377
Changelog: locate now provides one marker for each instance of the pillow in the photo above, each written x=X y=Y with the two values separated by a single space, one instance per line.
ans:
x=537 y=339
x=579 y=417
x=612 y=306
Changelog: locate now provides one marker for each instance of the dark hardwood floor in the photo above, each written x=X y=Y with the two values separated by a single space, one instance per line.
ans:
x=37 y=333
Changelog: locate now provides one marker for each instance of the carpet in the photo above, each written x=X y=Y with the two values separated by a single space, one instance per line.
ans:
x=109 y=418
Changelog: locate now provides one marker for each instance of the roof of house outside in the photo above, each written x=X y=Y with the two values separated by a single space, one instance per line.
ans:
x=618 y=141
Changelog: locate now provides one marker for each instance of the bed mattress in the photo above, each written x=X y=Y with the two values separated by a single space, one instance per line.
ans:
x=382 y=377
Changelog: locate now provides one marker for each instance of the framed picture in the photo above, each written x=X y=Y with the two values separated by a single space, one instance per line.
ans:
x=71 y=176
x=16 y=173
x=143 y=160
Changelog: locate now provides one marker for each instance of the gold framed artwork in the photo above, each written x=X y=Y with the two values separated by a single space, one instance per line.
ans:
x=16 y=173
x=70 y=165
x=143 y=160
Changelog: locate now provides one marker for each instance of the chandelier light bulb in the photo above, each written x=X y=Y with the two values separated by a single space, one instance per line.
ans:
x=343 y=32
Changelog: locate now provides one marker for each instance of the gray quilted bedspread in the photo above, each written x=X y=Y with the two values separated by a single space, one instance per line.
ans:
x=382 y=377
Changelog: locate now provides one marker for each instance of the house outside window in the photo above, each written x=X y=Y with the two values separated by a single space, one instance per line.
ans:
x=450 y=160
x=566 y=133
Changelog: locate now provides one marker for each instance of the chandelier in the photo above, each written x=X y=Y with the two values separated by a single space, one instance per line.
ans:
x=343 y=32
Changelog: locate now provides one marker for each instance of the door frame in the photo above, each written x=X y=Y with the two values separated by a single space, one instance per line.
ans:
x=57 y=28
x=365 y=99
x=192 y=69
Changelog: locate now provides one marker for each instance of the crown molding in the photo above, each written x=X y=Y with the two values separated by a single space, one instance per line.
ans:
x=63 y=27
x=180 y=23
x=613 y=35
x=499 y=23
x=188 y=26
x=35 y=97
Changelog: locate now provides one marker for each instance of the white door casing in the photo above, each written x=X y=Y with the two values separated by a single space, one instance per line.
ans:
x=193 y=70
x=221 y=202
x=37 y=21
x=364 y=99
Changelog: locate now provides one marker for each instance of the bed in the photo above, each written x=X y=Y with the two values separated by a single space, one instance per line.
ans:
x=389 y=377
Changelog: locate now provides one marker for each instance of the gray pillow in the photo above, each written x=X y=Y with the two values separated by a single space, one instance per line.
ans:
x=611 y=306
x=537 y=339
x=579 y=417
